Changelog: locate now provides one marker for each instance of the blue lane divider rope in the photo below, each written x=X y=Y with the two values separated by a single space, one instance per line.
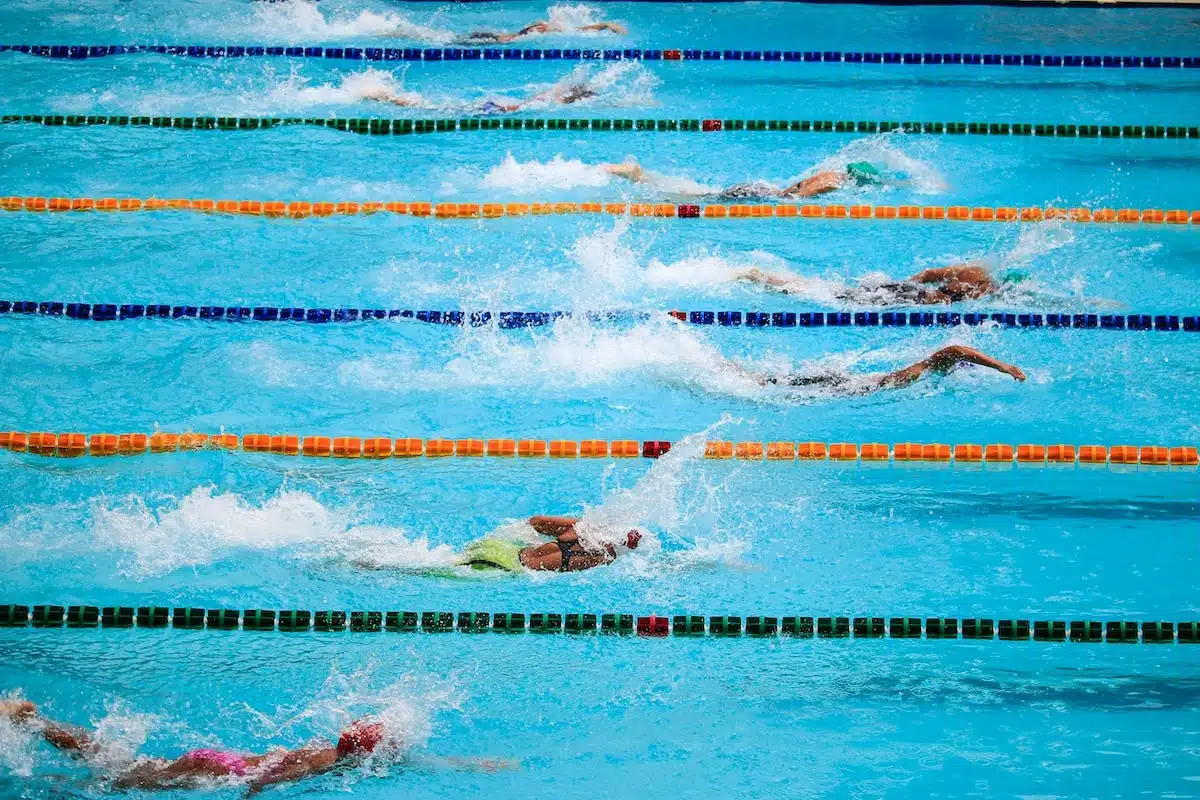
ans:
x=80 y=52
x=108 y=312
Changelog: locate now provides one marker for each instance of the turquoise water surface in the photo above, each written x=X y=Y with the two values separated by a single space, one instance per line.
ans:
x=589 y=716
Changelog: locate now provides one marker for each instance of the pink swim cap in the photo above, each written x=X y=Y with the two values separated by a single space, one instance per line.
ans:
x=359 y=738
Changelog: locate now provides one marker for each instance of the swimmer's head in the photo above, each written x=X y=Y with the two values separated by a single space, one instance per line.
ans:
x=580 y=91
x=864 y=173
x=359 y=738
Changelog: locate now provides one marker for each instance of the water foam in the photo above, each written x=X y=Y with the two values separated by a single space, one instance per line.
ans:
x=531 y=177
x=304 y=21
x=206 y=526
x=576 y=353
x=406 y=706
x=17 y=744
x=620 y=84
x=355 y=87
x=572 y=16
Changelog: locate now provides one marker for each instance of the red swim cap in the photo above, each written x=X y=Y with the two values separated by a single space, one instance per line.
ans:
x=632 y=539
x=359 y=738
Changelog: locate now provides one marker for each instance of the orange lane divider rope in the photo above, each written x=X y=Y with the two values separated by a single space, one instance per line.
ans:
x=113 y=444
x=303 y=209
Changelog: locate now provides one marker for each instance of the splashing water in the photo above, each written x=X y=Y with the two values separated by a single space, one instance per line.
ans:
x=570 y=17
x=576 y=353
x=406 y=707
x=119 y=735
x=653 y=500
x=622 y=84
x=1037 y=240
x=301 y=20
x=206 y=526
x=883 y=150
x=17 y=745
x=530 y=177
x=657 y=508
x=295 y=92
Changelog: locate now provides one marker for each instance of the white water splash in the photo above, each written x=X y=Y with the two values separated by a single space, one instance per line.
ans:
x=304 y=21
x=355 y=87
x=531 y=177
x=206 y=526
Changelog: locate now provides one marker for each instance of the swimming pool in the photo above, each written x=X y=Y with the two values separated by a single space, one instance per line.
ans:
x=777 y=716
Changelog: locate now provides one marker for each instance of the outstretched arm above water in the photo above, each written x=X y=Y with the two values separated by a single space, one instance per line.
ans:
x=610 y=27
x=64 y=737
x=945 y=360
x=629 y=169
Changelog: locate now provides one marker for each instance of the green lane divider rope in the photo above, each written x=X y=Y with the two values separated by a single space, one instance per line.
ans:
x=394 y=127
x=125 y=617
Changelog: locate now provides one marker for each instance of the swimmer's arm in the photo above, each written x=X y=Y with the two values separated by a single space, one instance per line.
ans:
x=967 y=271
x=945 y=360
x=629 y=170
x=768 y=280
x=466 y=764
x=949 y=357
x=539 y=26
x=611 y=27
x=552 y=526
x=821 y=183
x=292 y=766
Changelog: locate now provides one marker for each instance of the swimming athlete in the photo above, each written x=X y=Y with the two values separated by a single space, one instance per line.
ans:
x=952 y=284
x=204 y=766
x=565 y=554
x=860 y=173
x=939 y=363
x=556 y=95
x=539 y=27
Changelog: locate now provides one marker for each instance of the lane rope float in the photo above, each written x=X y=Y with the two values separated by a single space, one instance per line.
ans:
x=73 y=445
x=653 y=625
x=442 y=54
x=441 y=211
x=110 y=312
x=399 y=127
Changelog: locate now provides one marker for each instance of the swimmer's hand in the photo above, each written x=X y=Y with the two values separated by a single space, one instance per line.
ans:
x=1014 y=371
x=17 y=710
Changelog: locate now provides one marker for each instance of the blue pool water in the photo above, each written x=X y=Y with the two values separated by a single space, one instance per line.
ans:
x=600 y=716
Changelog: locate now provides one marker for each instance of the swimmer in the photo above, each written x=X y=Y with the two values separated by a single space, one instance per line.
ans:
x=939 y=363
x=539 y=27
x=952 y=284
x=554 y=96
x=565 y=554
x=204 y=766
x=859 y=173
